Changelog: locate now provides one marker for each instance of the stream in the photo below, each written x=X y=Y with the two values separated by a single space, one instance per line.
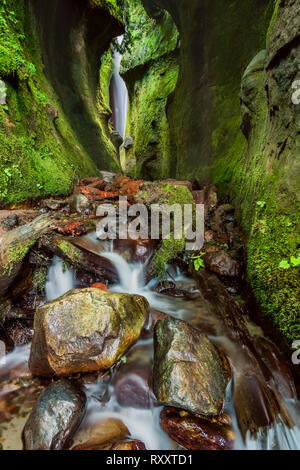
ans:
x=103 y=402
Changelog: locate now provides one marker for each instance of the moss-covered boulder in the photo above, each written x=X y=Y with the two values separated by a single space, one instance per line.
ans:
x=189 y=371
x=85 y=330
x=170 y=193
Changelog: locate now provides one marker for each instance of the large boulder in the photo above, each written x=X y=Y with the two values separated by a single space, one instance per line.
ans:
x=85 y=330
x=189 y=371
x=55 y=417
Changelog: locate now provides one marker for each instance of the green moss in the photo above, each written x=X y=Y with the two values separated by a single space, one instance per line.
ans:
x=70 y=252
x=15 y=254
x=164 y=193
x=148 y=121
x=39 y=279
x=250 y=173
x=273 y=19
x=168 y=251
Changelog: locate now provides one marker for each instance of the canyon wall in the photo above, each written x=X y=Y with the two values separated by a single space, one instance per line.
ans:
x=54 y=120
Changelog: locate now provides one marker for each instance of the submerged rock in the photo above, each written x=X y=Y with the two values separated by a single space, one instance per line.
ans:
x=85 y=330
x=133 y=379
x=104 y=434
x=195 y=433
x=55 y=417
x=221 y=263
x=189 y=371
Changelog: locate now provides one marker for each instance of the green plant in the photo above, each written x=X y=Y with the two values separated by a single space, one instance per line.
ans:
x=294 y=262
x=198 y=261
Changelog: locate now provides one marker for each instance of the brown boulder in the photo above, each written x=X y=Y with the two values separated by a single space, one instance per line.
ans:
x=85 y=330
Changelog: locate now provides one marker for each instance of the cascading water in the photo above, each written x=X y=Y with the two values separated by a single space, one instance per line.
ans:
x=119 y=94
x=59 y=280
x=143 y=423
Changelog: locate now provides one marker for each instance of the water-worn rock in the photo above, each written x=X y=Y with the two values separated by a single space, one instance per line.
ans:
x=104 y=434
x=128 y=445
x=85 y=330
x=221 y=263
x=189 y=371
x=132 y=381
x=195 y=433
x=80 y=204
x=55 y=417
x=15 y=245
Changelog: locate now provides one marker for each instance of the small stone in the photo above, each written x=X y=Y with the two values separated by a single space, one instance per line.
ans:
x=221 y=263
x=195 y=433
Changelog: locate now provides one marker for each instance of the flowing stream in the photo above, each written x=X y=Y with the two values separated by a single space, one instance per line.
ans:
x=143 y=424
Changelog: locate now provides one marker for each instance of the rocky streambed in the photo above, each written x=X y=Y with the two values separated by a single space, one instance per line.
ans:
x=101 y=350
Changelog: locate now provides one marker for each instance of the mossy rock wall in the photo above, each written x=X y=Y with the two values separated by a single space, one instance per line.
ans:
x=259 y=167
x=218 y=39
x=54 y=123
x=264 y=179
x=150 y=70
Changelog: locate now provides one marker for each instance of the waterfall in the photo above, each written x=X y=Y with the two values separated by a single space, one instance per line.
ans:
x=119 y=94
x=59 y=280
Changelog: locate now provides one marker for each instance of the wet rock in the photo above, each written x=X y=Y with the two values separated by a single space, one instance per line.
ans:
x=133 y=379
x=174 y=292
x=163 y=285
x=85 y=330
x=143 y=249
x=189 y=371
x=86 y=259
x=10 y=222
x=221 y=263
x=195 y=433
x=74 y=229
x=14 y=247
x=128 y=142
x=129 y=445
x=80 y=204
x=20 y=334
x=104 y=435
x=116 y=139
x=258 y=382
x=108 y=176
x=55 y=417
x=54 y=204
x=155 y=317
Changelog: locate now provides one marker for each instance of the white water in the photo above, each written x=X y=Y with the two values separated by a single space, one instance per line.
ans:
x=59 y=280
x=120 y=94
x=143 y=424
